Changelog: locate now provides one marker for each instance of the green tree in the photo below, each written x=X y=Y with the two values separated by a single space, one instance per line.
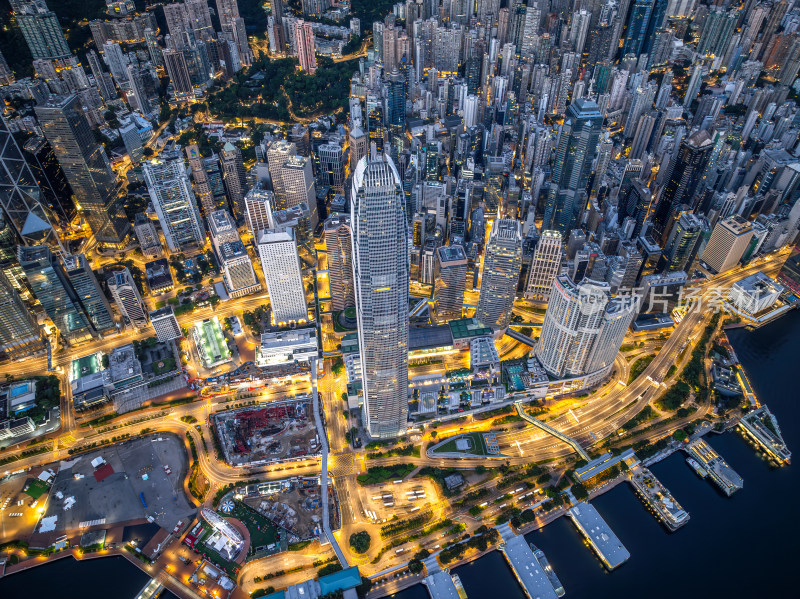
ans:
x=360 y=541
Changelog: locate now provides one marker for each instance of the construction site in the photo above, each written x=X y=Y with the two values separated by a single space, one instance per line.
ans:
x=278 y=431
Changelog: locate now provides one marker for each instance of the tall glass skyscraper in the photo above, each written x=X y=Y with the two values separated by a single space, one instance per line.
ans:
x=20 y=195
x=572 y=165
x=51 y=286
x=381 y=273
x=86 y=167
x=19 y=332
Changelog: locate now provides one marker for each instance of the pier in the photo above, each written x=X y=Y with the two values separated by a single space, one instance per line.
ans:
x=761 y=426
x=151 y=590
x=439 y=583
x=718 y=469
x=657 y=497
x=605 y=543
x=529 y=572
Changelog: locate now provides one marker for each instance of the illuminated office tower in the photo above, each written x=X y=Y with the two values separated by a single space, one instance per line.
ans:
x=680 y=247
x=278 y=153
x=258 y=209
x=89 y=293
x=546 y=264
x=85 y=166
x=127 y=297
x=281 y=265
x=339 y=246
x=237 y=268
x=20 y=195
x=727 y=244
x=19 y=332
x=450 y=281
x=331 y=166
x=174 y=203
x=51 y=286
x=502 y=262
x=583 y=328
x=381 y=273
x=298 y=185
x=233 y=169
x=572 y=165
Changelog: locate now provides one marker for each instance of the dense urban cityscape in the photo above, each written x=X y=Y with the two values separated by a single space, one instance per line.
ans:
x=346 y=299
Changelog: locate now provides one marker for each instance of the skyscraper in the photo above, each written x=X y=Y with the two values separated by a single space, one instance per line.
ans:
x=233 y=169
x=174 y=202
x=572 y=165
x=86 y=167
x=583 y=328
x=19 y=331
x=278 y=152
x=52 y=288
x=237 y=268
x=396 y=91
x=339 y=246
x=680 y=247
x=450 y=280
x=683 y=181
x=127 y=297
x=331 y=166
x=298 y=185
x=178 y=71
x=381 y=273
x=727 y=244
x=502 y=263
x=306 y=50
x=20 y=195
x=281 y=265
x=258 y=209
x=546 y=264
x=90 y=294
x=40 y=28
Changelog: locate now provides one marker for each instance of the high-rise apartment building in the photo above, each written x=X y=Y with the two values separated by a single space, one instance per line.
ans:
x=174 y=202
x=127 y=297
x=502 y=263
x=381 y=272
x=450 y=281
x=727 y=244
x=281 y=265
x=306 y=48
x=546 y=264
x=85 y=166
x=41 y=30
x=339 y=246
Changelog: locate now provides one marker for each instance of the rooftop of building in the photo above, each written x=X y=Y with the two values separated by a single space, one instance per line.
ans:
x=429 y=337
x=465 y=328
x=451 y=253
x=759 y=283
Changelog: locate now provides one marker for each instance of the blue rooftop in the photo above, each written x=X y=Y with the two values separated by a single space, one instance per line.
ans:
x=340 y=581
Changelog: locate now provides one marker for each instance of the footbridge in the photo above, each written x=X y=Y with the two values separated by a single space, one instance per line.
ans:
x=549 y=429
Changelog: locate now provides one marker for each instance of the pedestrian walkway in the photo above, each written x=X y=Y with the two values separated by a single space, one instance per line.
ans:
x=549 y=429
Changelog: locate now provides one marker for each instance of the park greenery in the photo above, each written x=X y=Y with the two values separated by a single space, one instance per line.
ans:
x=360 y=541
x=275 y=89
x=379 y=474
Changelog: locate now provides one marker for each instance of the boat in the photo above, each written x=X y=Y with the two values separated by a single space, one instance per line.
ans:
x=548 y=570
x=462 y=594
x=701 y=472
